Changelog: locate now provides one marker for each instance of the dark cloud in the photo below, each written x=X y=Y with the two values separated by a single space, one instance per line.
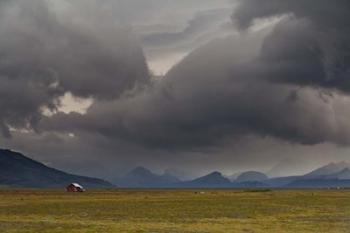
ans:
x=181 y=111
x=325 y=13
x=286 y=84
x=169 y=30
x=45 y=53
x=213 y=95
x=311 y=47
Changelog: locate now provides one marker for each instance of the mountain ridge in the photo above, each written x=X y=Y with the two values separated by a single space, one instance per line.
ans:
x=251 y=179
x=17 y=170
x=212 y=180
x=328 y=169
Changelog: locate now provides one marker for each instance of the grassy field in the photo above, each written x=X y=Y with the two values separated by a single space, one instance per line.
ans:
x=175 y=211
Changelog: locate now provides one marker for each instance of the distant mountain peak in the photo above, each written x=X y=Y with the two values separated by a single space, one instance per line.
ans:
x=342 y=175
x=215 y=174
x=328 y=169
x=214 y=179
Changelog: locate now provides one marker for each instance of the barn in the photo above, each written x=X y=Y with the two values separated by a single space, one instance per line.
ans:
x=75 y=187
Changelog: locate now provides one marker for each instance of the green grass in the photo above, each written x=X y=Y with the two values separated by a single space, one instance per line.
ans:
x=168 y=211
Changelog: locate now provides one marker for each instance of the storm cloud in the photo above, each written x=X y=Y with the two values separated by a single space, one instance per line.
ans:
x=45 y=54
x=200 y=104
x=311 y=47
x=286 y=82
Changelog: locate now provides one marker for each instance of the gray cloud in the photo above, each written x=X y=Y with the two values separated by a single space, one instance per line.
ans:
x=285 y=84
x=202 y=23
x=325 y=13
x=312 y=45
x=213 y=95
x=169 y=30
x=45 y=53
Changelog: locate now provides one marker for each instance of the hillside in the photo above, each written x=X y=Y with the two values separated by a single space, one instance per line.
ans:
x=16 y=170
x=327 y=170
x=212 y=180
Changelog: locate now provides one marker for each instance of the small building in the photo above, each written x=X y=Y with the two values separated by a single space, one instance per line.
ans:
x=74 y=187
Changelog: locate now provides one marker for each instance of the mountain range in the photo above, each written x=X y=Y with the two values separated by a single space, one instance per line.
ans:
x=16 y=170
x=335 y=170
x=329 y=176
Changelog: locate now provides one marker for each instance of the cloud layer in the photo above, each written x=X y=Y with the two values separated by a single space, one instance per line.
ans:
x=45 y=54
x=286 y=82
x=315 y=43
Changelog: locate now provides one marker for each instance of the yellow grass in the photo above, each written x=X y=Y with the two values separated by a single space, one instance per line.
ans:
x=168 y=211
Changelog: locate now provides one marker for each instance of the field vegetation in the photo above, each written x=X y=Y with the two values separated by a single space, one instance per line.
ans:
x=182 y=211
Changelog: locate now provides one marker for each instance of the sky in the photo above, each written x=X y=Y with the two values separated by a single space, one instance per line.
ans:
x=188 y=86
